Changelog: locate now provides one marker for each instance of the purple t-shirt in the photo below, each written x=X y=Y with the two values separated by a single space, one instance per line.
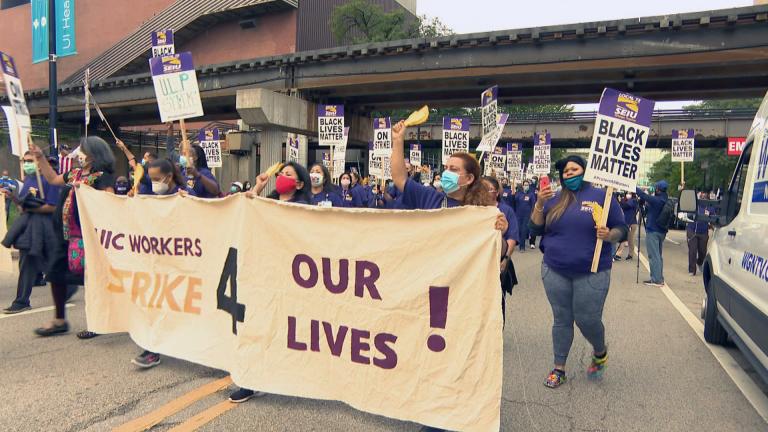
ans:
x=197 y=185
x=569 y=243
x=30 y=186
x=419 y=197
x=513 y=231
x=332 y=196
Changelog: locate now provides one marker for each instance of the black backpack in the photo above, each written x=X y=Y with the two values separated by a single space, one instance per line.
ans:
x=666 y=215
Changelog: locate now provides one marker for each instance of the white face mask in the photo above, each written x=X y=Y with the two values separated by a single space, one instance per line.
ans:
x=82 y=159
x=345 y=182
x=159 y=188
x=317 y=179
x=436 y=184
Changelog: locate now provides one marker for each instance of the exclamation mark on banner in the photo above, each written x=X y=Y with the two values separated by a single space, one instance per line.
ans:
x=438 y=315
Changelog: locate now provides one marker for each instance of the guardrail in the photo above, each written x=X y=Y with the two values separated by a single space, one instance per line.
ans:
x=582 y=116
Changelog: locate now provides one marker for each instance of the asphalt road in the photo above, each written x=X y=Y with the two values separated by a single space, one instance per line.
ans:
x=661 y=377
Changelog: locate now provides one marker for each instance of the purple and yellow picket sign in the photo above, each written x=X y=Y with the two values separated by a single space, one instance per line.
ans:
x=330 y=125
x=621 y=133
x=455 y=136
x=542 y=147
x=162 y=43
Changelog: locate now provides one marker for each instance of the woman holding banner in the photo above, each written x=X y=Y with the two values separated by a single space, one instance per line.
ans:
x=324 y=193
x=68 y=262
x=565 y=220
x=292 y=185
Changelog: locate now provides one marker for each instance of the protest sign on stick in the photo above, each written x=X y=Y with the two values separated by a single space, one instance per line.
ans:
x=210 y=142
x=455 y=136
x=621 y=133
x=489 y=109
x=682 y=148
x=415 y=155
x=162 y=43
x=14 y=91
x=178 y=96
x=292 y=148
x=330 y=125
x=542 y=145
x=515 y=163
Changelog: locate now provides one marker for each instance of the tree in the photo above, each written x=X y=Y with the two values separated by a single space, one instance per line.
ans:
x=711 y=169
x=361 y=21
x=725 y=104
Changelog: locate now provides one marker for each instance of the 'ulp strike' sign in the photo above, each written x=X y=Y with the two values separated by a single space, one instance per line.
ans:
x=621 y=133
x=682 y=145
x=455 y=136
x=330 y=125
x=175 y=80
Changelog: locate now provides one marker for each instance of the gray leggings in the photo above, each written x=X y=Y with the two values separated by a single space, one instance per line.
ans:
x=580 y=299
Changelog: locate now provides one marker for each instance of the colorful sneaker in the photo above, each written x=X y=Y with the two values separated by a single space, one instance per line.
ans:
x=556 y=378
x=147 y=360
x=596 y=369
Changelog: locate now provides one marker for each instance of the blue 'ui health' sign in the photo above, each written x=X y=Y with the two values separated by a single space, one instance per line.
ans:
x=65 y=29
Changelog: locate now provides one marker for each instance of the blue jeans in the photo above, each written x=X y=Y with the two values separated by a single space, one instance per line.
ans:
x=654 y=242
x=578 y=299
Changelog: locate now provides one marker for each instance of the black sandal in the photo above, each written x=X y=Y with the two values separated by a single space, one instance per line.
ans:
x=85 y=334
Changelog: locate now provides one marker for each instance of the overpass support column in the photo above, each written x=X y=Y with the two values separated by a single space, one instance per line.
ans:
x=276 y=114
x=271 y=140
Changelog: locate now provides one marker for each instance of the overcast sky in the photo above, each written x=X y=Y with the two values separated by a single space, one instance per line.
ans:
x=490 y=15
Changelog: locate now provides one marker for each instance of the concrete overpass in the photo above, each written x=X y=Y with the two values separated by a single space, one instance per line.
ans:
x=722 y=53
x=575 y=130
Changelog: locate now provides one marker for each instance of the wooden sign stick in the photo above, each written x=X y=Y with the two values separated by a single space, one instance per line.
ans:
x=602 y=222
x=682 y=172
x=21 y=157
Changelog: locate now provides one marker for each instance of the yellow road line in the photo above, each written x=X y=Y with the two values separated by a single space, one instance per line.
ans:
x=204 y=417
x=145 y=422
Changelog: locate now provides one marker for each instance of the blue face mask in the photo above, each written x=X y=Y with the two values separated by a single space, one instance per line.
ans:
x=183 y=161
x=574 y=183
x=449 y=181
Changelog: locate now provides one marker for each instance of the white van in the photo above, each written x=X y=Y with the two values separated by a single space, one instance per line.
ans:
x=735 y=271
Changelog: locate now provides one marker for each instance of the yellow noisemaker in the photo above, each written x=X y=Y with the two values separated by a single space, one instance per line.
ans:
x=138 y=174
x=597 y=212
x=418 y=117
x=274 y=169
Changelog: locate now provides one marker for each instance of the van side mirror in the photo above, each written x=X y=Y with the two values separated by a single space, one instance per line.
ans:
x=688 y=201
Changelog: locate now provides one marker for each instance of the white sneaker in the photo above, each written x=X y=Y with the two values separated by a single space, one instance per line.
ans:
x=533 y=246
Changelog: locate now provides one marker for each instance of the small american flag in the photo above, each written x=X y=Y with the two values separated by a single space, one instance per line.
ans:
x=65 y=163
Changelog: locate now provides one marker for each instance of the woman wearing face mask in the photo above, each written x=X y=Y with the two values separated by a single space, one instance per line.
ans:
x=460 y=182
x=511 y=235
x=235 y=188
x=200 y=178
x=166 y=180
x=324 y=193
x=292 y=185
x=436 y=185
x=351 y=197
x=524 y=201
x=574 y=292
x=96 y=170
x=122 y=186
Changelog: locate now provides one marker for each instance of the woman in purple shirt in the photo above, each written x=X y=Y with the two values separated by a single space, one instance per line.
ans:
x=574 y=292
